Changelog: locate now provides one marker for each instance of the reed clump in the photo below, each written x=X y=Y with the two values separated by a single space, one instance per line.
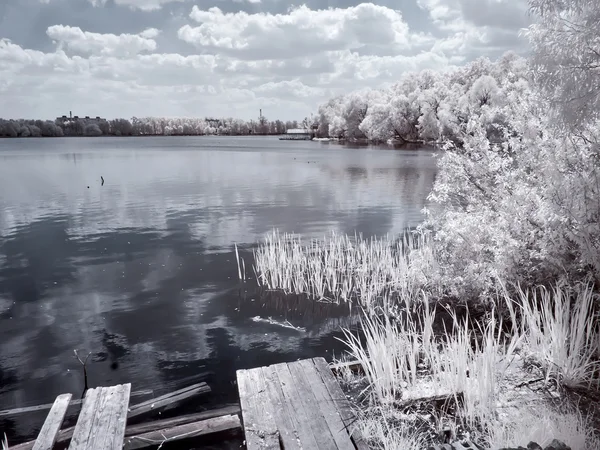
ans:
x=341 y=268
x=508 y=383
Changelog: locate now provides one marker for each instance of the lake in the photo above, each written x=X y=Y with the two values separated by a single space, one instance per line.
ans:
x=141 y=271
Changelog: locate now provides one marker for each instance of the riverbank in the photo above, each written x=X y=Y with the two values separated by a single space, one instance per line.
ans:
x=435 y=369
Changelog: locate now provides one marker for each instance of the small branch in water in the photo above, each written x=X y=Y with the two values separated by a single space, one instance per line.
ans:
x=83 y=363
x=102 y=178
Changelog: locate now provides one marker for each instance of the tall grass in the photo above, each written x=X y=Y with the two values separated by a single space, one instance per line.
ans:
x=562 y=331
x=392 y=352
x=558 y=326
x=340 y=268
x=389 y=354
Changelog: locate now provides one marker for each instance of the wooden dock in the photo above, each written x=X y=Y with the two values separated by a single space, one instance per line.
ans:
x=297 y=405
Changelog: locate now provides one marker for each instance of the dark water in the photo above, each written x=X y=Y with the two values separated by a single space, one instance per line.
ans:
x=141 y=271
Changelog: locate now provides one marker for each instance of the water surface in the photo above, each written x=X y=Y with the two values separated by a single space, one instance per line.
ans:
x=141 y=271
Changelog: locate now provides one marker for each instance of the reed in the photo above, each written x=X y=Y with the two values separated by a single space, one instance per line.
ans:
x=562 y=332
x=482 y=362
x=341 y=268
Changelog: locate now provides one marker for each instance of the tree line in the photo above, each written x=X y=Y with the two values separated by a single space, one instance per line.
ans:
x=428 y=106
x=145 y=126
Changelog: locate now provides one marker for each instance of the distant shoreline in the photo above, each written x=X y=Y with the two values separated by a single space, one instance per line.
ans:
x=141 y=135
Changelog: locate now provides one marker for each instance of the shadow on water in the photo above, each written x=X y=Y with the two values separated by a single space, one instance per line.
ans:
x=141 y=272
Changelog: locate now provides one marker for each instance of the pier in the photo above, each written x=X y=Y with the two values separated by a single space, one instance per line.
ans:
x=296 y=405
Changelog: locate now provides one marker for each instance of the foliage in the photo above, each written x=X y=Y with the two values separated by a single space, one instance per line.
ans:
x=155 y=126
x=518 y=197
x=425 y=106
x=566 y=57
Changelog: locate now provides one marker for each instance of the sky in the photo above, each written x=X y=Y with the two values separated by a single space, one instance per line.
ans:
x=231 y=58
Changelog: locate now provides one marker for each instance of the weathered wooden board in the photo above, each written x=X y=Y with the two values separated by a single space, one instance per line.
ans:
x=312 y=411
x=102 y=421
x=49 y=432
x=260 y=429
x=294 y=402
x=158 y=403
x=187 y=431
x=285 y=419
x=147 y=427
x=326 y=406
x=295 y=408
x=340 y=401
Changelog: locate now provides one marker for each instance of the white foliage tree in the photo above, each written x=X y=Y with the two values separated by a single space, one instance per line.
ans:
x=566 y=57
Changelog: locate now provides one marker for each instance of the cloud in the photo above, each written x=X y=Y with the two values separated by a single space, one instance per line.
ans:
x=196 y=61
x=300 y=32
x=143 y=5
x=78 y=41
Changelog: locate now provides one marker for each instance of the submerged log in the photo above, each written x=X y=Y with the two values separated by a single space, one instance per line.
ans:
x=187 y=431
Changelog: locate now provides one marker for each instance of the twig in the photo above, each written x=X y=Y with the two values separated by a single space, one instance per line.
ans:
x=527 y=383
x=83 y=363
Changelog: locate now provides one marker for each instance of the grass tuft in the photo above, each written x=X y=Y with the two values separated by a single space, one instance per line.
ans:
x=563 y=333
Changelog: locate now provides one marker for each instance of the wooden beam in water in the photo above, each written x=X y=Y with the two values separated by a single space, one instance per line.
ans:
x=186 y=431
x=49 y=432
x=147 y=427
x=26 y=409
x=158 y=403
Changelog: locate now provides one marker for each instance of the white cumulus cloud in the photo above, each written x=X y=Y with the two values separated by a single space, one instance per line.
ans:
x=143 y=5
x=302 y=31
x=79 y=41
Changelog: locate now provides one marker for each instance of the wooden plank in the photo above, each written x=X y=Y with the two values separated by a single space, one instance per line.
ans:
x=181 y=420
x=49 y=432
x=325 y=404
x=186 y=431
x=67 y=433
x=317 y=422
x=260 y=429
x=341 y=402
x=26 y=409
x=292 y=398
x=115 y=419
x=102 y=421
x=83 y=426
x=158 y=403
x=285 y=417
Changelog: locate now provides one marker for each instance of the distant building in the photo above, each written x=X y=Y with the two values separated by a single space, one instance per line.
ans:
x=88 y=119
x=298 y=134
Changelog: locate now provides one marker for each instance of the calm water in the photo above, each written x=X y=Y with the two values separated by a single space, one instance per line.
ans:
x=141 y=271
